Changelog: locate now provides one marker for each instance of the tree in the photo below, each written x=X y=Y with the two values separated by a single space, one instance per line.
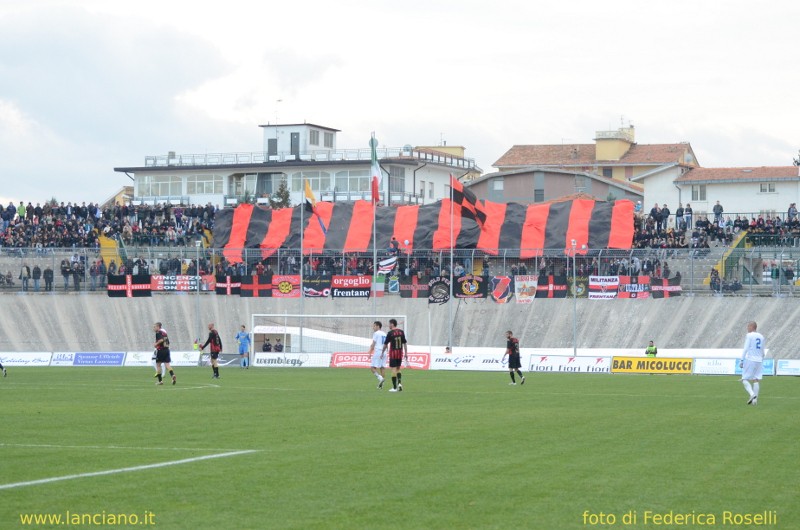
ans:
x=281 y=198
x=797 y=160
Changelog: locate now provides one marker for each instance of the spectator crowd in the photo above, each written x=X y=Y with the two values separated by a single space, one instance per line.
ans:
x=70 y=225
x=662 y=229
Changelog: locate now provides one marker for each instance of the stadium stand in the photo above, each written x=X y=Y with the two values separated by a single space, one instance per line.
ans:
x=744 y=250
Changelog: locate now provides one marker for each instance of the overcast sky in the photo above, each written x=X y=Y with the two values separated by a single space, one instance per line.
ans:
x=86 y=86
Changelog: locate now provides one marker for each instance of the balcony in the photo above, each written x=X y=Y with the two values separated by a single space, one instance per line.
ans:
x=260 y=157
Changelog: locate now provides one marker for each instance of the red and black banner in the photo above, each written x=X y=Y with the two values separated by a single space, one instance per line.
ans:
x=228 y=285
x=256 y=287
x=603 y=287
x=413 y=287
x=530 y=228
x=469 y=286
x=502 y=289
x=634 y=287
x=129 y=286
x=666 y=288
x=286 y=286
x=351 y=286
x=317 y=286
x=552 y=287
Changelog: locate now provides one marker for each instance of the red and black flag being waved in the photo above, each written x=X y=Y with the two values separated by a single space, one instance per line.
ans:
x=466 y=201
x=529 y=228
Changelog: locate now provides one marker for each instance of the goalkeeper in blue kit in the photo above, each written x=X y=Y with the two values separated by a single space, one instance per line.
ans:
x=243 y=339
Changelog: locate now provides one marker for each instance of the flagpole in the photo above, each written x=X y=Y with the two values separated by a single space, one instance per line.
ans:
x=374 y=259
x=375 y=182
x=450 y=302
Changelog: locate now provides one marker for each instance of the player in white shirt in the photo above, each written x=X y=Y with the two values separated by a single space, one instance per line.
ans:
x=378 y=363
x=752 y=362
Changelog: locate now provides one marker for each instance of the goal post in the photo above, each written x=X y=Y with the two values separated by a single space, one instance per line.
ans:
x=306 y=334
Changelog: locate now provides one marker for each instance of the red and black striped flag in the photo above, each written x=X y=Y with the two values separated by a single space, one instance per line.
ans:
x=529 y=228
x=467 y=202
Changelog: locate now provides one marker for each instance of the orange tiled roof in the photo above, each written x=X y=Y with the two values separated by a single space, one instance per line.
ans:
x=720 y=174
x=584 y=155
x=656 y=153
x=541 y=155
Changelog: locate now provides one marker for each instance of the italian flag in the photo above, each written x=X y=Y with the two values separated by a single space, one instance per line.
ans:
x=376 y=170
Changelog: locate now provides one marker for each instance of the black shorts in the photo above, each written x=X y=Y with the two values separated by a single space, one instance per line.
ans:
x=395 y=363
x=215 y=355
x=514 y=361
x=162 y=356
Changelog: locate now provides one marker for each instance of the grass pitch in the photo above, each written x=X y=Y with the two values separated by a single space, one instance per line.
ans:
x=454 y=450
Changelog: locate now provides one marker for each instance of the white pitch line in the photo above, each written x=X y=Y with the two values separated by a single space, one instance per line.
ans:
x=112 y=447
x=121 y=470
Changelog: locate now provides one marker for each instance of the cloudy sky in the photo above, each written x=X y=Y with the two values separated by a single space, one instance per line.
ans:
x=86 y=86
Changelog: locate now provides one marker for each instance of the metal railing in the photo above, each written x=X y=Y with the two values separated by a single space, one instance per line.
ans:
x=327 y=155
x=728 y=218
x=754 y=271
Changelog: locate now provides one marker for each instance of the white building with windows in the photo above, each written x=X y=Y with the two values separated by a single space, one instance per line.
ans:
x=292 y=153
x=749 y=191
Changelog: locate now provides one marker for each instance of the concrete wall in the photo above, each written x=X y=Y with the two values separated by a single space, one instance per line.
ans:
x=84 y=322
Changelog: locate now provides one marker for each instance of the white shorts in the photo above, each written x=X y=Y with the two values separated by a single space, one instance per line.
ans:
x=378 y=360
x=751 y=371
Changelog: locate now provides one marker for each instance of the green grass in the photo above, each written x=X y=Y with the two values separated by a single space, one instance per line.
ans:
x=455 y=450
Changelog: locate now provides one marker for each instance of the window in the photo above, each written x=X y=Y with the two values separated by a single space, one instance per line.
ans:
x=430 y=190
x=538 y=195
x=250 y=181
x=699 y=192
x=608 y=172
x=580 y=183
x=767 y=187
x=497 y=184
x=353 y=180
x=159 y=186
x=313 y=137
x=422 y=188
x=329 y=140
x=397 y=178
x=203 y=184
x=319 y=181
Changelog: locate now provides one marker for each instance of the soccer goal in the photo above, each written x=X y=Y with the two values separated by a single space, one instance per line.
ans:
x=298 y=333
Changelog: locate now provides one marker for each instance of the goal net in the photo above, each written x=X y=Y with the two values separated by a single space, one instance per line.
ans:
x=297 y=333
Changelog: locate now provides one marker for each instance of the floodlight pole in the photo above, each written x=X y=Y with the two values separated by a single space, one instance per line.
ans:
x=199 y=279
x=574 y=304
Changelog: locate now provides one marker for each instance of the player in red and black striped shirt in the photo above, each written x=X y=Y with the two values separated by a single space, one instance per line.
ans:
x=216 y=348
x=162 y=353
x=398 y=350
x=514 y=361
